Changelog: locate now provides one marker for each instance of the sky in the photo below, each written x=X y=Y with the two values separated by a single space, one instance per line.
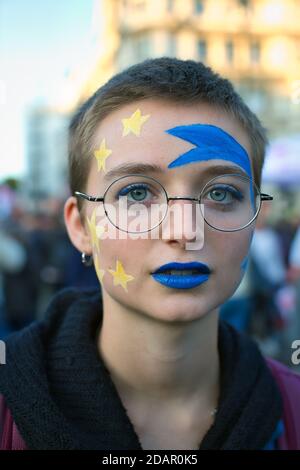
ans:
x=40 y=42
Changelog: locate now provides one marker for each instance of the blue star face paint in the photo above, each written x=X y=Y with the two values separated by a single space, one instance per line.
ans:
x=211 y=143
x=244 y=264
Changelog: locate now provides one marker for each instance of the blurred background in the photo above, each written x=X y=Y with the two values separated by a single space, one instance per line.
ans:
x=55 y=54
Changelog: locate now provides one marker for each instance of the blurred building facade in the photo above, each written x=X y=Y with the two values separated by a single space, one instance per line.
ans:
x=255 y=43
x=46 y=155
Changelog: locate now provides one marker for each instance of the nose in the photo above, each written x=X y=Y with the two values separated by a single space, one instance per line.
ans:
x=184 y=224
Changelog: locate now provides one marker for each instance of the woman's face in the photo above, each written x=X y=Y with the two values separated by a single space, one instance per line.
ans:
x=137 y=133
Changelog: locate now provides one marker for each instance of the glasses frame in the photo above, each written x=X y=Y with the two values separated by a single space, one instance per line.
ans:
x=262 y=197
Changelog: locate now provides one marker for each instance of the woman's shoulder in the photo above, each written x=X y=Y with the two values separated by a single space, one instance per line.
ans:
x=10 y=437
x=288 y=382
x=35 y=357
x=66 y=301
x=284 y=374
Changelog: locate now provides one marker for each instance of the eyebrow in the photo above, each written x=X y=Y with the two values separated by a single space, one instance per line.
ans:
x=218 y=170
x=137 y=168
x=145 y=168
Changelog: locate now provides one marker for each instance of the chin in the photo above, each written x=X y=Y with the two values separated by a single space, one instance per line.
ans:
x=184 y=308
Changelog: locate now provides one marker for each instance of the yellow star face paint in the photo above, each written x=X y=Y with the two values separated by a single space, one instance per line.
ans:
x=93 y=229
x=101 y=155
x=100 y=230
x=134 y=123
x=120 y=277
x=100 y=272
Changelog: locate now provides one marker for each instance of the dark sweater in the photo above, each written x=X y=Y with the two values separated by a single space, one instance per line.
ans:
x=62 y=397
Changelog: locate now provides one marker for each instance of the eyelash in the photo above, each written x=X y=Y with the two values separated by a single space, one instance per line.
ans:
x=233 y=191
x=125 y=191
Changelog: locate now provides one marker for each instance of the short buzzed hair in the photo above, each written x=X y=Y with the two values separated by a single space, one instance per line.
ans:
x=174 y=80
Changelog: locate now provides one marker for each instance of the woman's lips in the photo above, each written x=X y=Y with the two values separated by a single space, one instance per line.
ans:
x=189 y=275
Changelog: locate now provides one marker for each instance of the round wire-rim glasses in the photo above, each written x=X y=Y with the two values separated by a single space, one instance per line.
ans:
x=260 y=196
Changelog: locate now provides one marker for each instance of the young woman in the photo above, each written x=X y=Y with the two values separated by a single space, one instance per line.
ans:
x=165 y=163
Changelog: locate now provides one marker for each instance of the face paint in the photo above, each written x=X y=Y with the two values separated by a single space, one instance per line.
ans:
x=134 y=123
x=100 y=272
x=120 y=277
x=100 y=230
x=211 y=143
x=101 y=155
x=93 y=229
x=244 y=264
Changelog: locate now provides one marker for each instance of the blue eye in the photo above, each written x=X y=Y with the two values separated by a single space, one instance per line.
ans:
x=135 y=192
x=225 y=194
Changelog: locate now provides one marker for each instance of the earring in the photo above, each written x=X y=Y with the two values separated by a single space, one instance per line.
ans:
x=86 y=260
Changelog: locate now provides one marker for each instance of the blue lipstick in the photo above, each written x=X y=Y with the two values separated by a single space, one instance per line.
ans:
x=166 y=275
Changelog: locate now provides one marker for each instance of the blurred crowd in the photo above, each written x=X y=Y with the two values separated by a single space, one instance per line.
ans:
x=267 y=302
x=37 y=259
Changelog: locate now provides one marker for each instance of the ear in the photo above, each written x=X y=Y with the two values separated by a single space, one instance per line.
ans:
x=77 y=232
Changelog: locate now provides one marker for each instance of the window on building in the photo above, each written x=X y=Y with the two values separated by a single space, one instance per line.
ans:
x=172 y=45
x=198 y=7
x=244 y=3
x=255 y=52
x=298 y=49
x=229 y=52
x=139 y=3
x=142 y=47
x=170 y=5
x=202 y=49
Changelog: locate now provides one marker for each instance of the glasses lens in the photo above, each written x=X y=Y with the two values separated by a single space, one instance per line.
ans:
x=230 y=202
x=135 y=203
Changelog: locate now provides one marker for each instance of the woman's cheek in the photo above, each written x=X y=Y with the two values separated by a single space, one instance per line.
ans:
x=117 y=265
x=233 y=250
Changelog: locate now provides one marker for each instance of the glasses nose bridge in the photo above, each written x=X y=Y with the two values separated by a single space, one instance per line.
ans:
x=183 y=222
x=179 y=198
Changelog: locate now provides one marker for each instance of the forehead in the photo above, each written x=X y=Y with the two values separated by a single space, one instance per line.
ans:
x=153 y=145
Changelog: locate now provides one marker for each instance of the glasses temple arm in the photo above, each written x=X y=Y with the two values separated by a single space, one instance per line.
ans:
x=266 y=197
x=88 y=198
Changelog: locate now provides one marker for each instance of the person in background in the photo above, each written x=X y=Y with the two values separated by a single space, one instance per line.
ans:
x=238 y=309
x=294 y=277
x=13 y=258
x=268 y=275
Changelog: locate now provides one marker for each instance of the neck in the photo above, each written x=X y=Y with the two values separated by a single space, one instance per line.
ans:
x=160 y=362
